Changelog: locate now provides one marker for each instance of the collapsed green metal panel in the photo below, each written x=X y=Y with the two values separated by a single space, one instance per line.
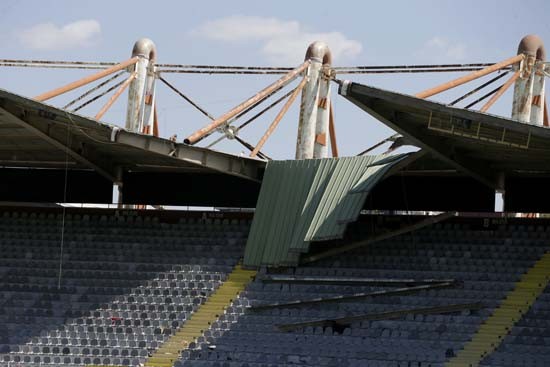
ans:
x=288 y=206
x=309 y=200
x=282 y=198
x=263 y=217
x=336 y=199
x=324 y=171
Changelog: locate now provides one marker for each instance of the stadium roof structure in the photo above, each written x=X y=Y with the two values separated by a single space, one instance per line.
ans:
x=486 y=147
x=465 y=152
x=48 y=139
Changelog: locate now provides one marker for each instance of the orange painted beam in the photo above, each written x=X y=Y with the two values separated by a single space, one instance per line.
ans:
x=91 y=78
x=472 y=76
x=115 y=96
x=279 y=116
x=332 y=133
x=500 y=92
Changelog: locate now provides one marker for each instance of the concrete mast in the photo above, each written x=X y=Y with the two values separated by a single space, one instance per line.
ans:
x=141 y=94
x=314 y=109
x=529 y=94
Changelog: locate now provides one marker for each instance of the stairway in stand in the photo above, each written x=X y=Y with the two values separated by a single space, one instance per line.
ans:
x=492 y=332
x=200 y=321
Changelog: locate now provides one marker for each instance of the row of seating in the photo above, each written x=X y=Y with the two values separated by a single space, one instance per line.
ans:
x=486 y=264
x=126 y=284
x=528 y=343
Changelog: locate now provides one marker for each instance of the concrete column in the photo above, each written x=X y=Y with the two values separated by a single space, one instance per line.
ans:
x=537 y=104
x=313 y=122
x=528 y=104
x=320 y=148
x=149 y=102
x=523 y=91
x=308 y=113
x=141 y=90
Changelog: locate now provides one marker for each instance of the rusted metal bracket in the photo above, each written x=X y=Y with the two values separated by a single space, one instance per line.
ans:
x=321 y=139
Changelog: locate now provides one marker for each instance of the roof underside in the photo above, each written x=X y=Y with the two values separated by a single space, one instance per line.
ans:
x=37 y=135
x=484 y=146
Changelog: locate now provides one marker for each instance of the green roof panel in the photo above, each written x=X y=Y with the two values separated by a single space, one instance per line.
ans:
x=309 y=200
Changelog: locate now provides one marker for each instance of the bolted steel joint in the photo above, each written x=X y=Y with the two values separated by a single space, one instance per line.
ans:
x=231 y=132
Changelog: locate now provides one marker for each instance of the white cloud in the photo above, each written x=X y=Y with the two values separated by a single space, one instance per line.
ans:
x=48 y=36
x=283 y=42
x=440 y=48
x=239 y=28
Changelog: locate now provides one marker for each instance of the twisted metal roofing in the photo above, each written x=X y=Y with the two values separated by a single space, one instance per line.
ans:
x=302 y=201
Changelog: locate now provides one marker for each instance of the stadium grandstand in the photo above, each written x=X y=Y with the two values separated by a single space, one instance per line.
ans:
x=396 y=259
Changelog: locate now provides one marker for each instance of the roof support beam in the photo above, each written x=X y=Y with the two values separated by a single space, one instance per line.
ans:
x=500 y=92
x=115 y=96
x=396 y=120
x=332 y=132
x=338 y=280
x=472 y=76
x=545 y=116
x=91 y=78
x=478 y=171
x=252 y=101
x=279 y=116
x=62 y=146
x=217 y=161
x=354 y=297
x=383 y=316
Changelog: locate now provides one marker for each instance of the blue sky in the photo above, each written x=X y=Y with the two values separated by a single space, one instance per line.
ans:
x=264 y=33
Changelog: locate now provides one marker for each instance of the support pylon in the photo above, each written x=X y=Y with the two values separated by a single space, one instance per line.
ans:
x=141 y=94
x=313 y=126
x=529 y=94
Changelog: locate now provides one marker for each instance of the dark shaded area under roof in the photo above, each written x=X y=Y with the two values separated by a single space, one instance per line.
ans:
x=480 y=145
x=39 y=142
x=468 y=155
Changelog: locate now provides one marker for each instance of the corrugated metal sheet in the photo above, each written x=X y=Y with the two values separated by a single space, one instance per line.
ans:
x=282 y=198
x=337 y=202
x=325 y=170
x=309 y=200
